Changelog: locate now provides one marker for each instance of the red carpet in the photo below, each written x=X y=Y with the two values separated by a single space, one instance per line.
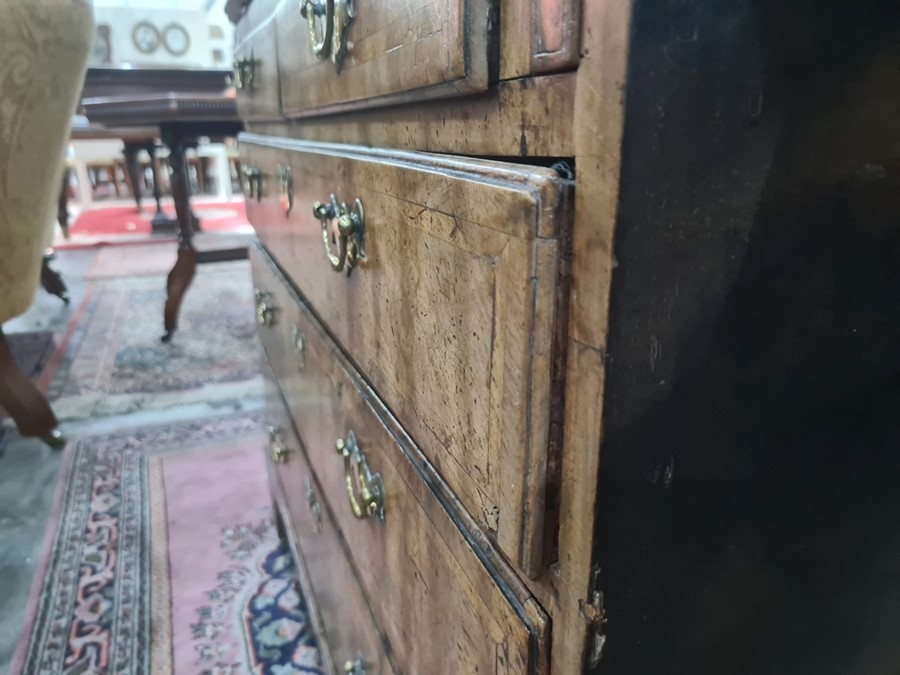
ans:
x=123 y=220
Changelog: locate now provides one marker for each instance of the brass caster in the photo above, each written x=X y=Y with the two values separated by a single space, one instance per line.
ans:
x=55 y=440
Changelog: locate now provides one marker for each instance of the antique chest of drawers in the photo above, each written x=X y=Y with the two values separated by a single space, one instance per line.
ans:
x=415 y=204
x=450 y=323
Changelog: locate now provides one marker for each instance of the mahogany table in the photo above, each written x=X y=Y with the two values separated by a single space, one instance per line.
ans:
x=181 y=118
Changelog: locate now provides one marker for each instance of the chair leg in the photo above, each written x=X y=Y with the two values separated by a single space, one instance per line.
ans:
x=52 y=282
x=24 y=402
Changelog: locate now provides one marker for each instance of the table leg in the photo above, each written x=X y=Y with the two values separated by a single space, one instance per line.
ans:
x=115 y=179
x=161 y=222
x=186 y=264
x=133 y=167
x=201 y=174
x=62 y=209
x=24 y=402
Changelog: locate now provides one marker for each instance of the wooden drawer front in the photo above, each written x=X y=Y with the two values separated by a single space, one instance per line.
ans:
x=256 y=72
x=340 y=615
x=450 y=316
x=445 y=600
x=395 y=51
x=538 y=36
x=255 y=13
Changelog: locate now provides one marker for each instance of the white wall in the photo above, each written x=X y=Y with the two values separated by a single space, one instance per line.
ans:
x=122 y=20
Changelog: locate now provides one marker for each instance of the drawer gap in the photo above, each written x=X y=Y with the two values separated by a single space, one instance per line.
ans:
x=564 y=166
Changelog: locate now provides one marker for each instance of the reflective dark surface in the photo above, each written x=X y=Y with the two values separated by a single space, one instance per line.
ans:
x=749 y=516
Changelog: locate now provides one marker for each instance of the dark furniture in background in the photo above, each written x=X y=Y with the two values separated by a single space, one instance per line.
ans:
x=181 y=118
x=135 y=140
x=100 y=82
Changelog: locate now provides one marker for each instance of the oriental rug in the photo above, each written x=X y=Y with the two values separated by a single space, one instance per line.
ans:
x=114 y=362
x=162 y=557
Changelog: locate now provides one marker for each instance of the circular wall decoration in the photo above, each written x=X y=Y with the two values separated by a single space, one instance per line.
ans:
x=176 y=39
x=145 y=37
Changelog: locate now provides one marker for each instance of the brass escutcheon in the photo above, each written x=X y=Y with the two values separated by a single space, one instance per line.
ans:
x=265 y=309
x=277 y=449
x=357 y=667
x=286 y=177
x=254 y=182
x=365 y=489
x=298 y=340
x=315 y=510
x=244 y=75
x=351 y=227
x=236 y=79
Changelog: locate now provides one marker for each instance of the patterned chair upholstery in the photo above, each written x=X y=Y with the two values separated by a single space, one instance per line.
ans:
x=44 y=48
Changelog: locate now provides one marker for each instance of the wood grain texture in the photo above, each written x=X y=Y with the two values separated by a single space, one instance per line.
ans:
x=445 y=599
x=522 y=118
x=599 y=117
x=458 y=243
x=256 y=14
x=260 y=99
x=396 y=51
x=338 y=609
x=538 y=36
x=451 y=316
x=599 y=120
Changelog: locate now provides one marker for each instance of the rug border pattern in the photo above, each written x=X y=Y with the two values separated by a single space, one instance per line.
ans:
x=46 y=643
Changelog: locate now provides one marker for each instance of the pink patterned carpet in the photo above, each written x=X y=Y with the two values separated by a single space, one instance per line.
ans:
x=162 y=557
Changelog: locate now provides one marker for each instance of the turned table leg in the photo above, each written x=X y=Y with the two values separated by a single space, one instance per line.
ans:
x=157 y=189
x=186 y=264
x=161 y=222
x=24 y=402
x=115 y=179
x=133 y=167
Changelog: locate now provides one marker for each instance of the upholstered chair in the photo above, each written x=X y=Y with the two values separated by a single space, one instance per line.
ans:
x=44 y=47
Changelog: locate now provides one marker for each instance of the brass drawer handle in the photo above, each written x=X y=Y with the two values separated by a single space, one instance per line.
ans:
x=286 y=177
x=316 y=13
x=244 y=68
x=277 y=449
x=357 y=667
x=298 y=340
x=351 y=225
x=328 y=21
x=359 y=478
x=315 y=509
x=265 y=309
x=344 y=13
x=254 y=182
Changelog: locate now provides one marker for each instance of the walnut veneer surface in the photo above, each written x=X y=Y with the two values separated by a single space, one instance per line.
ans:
x=658 y=234
x=444 y=349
